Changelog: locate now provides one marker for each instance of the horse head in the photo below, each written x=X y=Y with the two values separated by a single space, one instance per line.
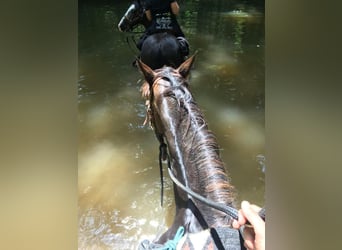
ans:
x=157 y=86
x=179 y=75
x=155 y=90
x=134 y=16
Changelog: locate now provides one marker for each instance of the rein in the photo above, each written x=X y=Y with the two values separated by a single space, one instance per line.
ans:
x=219 y=206
x=162 y=151
x=129 y=44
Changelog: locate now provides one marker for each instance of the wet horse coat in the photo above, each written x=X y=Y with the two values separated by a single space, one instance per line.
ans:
x=193 y=150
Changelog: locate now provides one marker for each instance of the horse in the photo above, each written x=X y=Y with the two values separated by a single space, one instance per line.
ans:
x=157 y=49
x=193 y=154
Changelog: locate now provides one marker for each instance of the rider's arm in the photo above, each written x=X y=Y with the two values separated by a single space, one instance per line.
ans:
x=175 y=8
x=148 y=15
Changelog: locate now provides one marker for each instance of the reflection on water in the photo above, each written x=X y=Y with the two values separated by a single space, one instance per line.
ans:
x=119 y=186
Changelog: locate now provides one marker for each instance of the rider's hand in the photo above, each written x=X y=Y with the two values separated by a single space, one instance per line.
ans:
x=254 y=236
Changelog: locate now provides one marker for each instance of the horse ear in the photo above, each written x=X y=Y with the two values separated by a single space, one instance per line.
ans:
x=146 y=71
x=184 y=68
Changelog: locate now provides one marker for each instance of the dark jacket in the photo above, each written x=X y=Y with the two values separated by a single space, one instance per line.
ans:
x=162 y=18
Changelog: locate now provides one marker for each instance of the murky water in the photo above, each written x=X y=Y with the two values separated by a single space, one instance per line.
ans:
x=119 y=187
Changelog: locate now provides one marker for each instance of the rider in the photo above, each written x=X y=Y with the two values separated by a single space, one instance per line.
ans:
x=162 y=17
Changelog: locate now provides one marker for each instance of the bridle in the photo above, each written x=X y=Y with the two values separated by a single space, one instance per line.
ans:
x=141 y=11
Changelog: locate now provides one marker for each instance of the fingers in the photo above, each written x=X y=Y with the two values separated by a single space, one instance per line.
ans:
x=248 y=212
x=251 y=214
x=236 y=224
x=241 y=221
x=254 y=237
x=249 y=237
x=255 y=207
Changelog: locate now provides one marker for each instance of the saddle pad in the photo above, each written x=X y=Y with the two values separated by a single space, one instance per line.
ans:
x=222 y=238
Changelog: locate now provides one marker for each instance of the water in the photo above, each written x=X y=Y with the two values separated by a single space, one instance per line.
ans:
x=119 y=186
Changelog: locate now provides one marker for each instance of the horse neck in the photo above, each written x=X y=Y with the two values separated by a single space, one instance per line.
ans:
x=193 y=148
x=207 y=173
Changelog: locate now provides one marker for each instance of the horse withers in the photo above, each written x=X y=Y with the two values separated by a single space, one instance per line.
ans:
x=194 y=159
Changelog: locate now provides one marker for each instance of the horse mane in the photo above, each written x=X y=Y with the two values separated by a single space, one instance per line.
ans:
x=205 y=171
x=203 y=150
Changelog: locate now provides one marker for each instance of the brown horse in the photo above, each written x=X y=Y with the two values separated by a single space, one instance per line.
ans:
x=194 y=152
